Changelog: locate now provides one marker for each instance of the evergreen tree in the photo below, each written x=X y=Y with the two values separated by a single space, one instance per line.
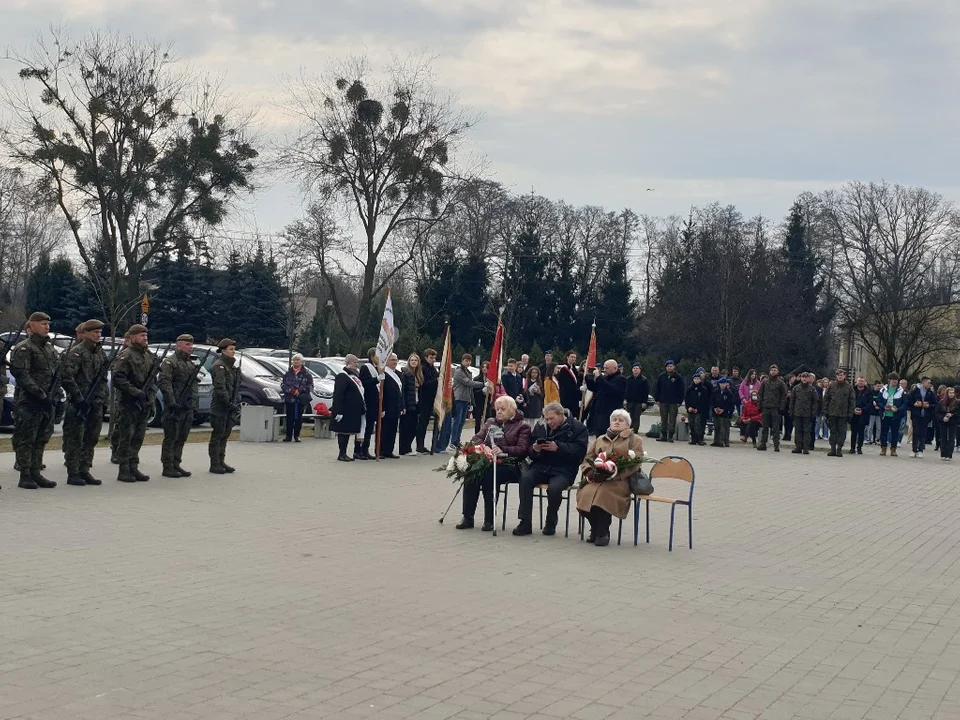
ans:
x=55 y=289
x=617 y=312
x=183 y=300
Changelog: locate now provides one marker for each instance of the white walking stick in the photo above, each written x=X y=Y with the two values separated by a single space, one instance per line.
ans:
x=494 y=433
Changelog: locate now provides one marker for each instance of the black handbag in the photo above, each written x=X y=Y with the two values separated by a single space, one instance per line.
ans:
x=640 y=484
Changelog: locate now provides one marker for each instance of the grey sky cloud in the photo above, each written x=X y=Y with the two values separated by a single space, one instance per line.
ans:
x=744 y=101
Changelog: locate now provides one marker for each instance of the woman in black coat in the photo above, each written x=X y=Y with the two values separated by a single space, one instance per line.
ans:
x=393 y=409
x=297 y=387
x=349 y=411
x=412 y=377
x=609 y=394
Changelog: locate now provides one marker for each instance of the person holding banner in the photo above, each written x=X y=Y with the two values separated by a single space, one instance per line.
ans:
x=369 y=377
x=463 y=387
x=569 y=380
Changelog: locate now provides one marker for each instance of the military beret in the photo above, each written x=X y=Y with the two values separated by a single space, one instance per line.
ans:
x=39 y=317
x=225 y=343
x=80 y=328
x=135 y=330
x=91 y=325
x=186 y=337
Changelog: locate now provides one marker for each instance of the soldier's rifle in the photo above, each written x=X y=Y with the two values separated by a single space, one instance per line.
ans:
x=150 y=386
x=84 y=408
x=58 y=374
x=186 y=395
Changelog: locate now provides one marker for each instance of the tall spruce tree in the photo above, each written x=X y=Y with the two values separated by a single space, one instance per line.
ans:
x=54 y=288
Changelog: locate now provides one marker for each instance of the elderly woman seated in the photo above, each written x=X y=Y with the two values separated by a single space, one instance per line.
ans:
x=598 y=499
x=515 y=443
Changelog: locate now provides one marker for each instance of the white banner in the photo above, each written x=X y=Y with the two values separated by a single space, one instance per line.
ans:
x=388 y=333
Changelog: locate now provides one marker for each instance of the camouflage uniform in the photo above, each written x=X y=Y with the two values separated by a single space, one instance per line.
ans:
x=85 y=382
x=224 y=410
x=133 y=371
x=33 y=363
x=178 y=383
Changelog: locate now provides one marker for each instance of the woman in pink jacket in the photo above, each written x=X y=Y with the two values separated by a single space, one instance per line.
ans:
x=750 y=384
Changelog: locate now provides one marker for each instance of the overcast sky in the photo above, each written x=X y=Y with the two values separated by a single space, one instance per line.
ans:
x=593 y=101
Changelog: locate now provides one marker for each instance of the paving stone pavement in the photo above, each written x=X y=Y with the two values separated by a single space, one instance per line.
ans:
x=305 y=588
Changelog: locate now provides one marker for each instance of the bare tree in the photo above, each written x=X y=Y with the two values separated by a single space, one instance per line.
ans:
x=28 y=230
x=135 y=151
x=896 y=272
x=381 y=153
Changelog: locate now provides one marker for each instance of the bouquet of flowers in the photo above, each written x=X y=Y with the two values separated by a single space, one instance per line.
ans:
x=472 y=461
x=607 y=466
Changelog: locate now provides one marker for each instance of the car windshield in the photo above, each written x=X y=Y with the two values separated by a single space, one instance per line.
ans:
x=256 y=367
x=319 y=368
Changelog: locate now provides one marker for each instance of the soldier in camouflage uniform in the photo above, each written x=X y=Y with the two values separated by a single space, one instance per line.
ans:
x=85 y=381
x=224 y=406
x=178 y=383
x=133 y=373
x=33 y=363
x=115 y=432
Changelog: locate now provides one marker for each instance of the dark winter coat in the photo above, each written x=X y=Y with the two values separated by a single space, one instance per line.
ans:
x=297 y=387
x=428 y=391
x=571 y=439
x=226 y=378
x=772 y=395
x=638 y=389
x=944 y=407
x=609 y=393
x=669 y=389
x=698 y=397
x=348 y=401
x=839 y=400
x=392 y=395
x=864 y=403
x=917 y=396
x=177 y=372
x=725 y=402
x=410 y=394
x=568 y=382
x=512 y=384
x=804 y=401
x=516 y=436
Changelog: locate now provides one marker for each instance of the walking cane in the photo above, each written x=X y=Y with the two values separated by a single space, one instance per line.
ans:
x=455 y=496
x=494 y=433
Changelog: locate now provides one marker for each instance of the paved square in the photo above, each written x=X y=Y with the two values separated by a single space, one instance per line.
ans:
x=305 y=588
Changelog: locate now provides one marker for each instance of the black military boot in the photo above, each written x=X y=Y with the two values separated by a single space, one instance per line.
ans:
x=170 y=472
x=41 y=481
x=183 y=473
x=26 y=481
x=223 y=464
x=216 y=468
x=137 y=475
x=74 y=478
x=124 y=474
x=114 y=458
x=89 y=479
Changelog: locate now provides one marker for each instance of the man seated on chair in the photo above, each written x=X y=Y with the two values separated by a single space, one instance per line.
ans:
x=559 y=446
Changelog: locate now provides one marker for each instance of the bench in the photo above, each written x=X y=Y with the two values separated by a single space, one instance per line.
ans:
x=321 y=424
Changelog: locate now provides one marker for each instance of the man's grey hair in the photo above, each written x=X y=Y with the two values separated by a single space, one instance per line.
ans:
x=620 y=413
x=350 y=358
x=554 y=407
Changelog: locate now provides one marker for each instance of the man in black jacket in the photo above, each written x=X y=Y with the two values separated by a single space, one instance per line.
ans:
x=512 y=382
x=861 y=415
x=559 y=446
x=428 y=394
x=697 y=401
x=922 y=401
x=638 y=395
x=569 y=380
x=609 y=392
x=668 y=394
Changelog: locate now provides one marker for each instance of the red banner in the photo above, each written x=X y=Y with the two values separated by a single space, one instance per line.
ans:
x=496 y=357
x=592 y=354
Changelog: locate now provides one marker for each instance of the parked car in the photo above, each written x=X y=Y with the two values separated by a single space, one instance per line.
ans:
x=259 y=383
x=322 y=386
x=322 y=368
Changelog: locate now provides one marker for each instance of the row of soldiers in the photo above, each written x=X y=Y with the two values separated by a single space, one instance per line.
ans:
x=136 y=374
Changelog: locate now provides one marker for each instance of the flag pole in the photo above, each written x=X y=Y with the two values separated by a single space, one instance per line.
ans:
x=444 y=370
x=488 y=393
x=591 y=348
x=384 y=348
